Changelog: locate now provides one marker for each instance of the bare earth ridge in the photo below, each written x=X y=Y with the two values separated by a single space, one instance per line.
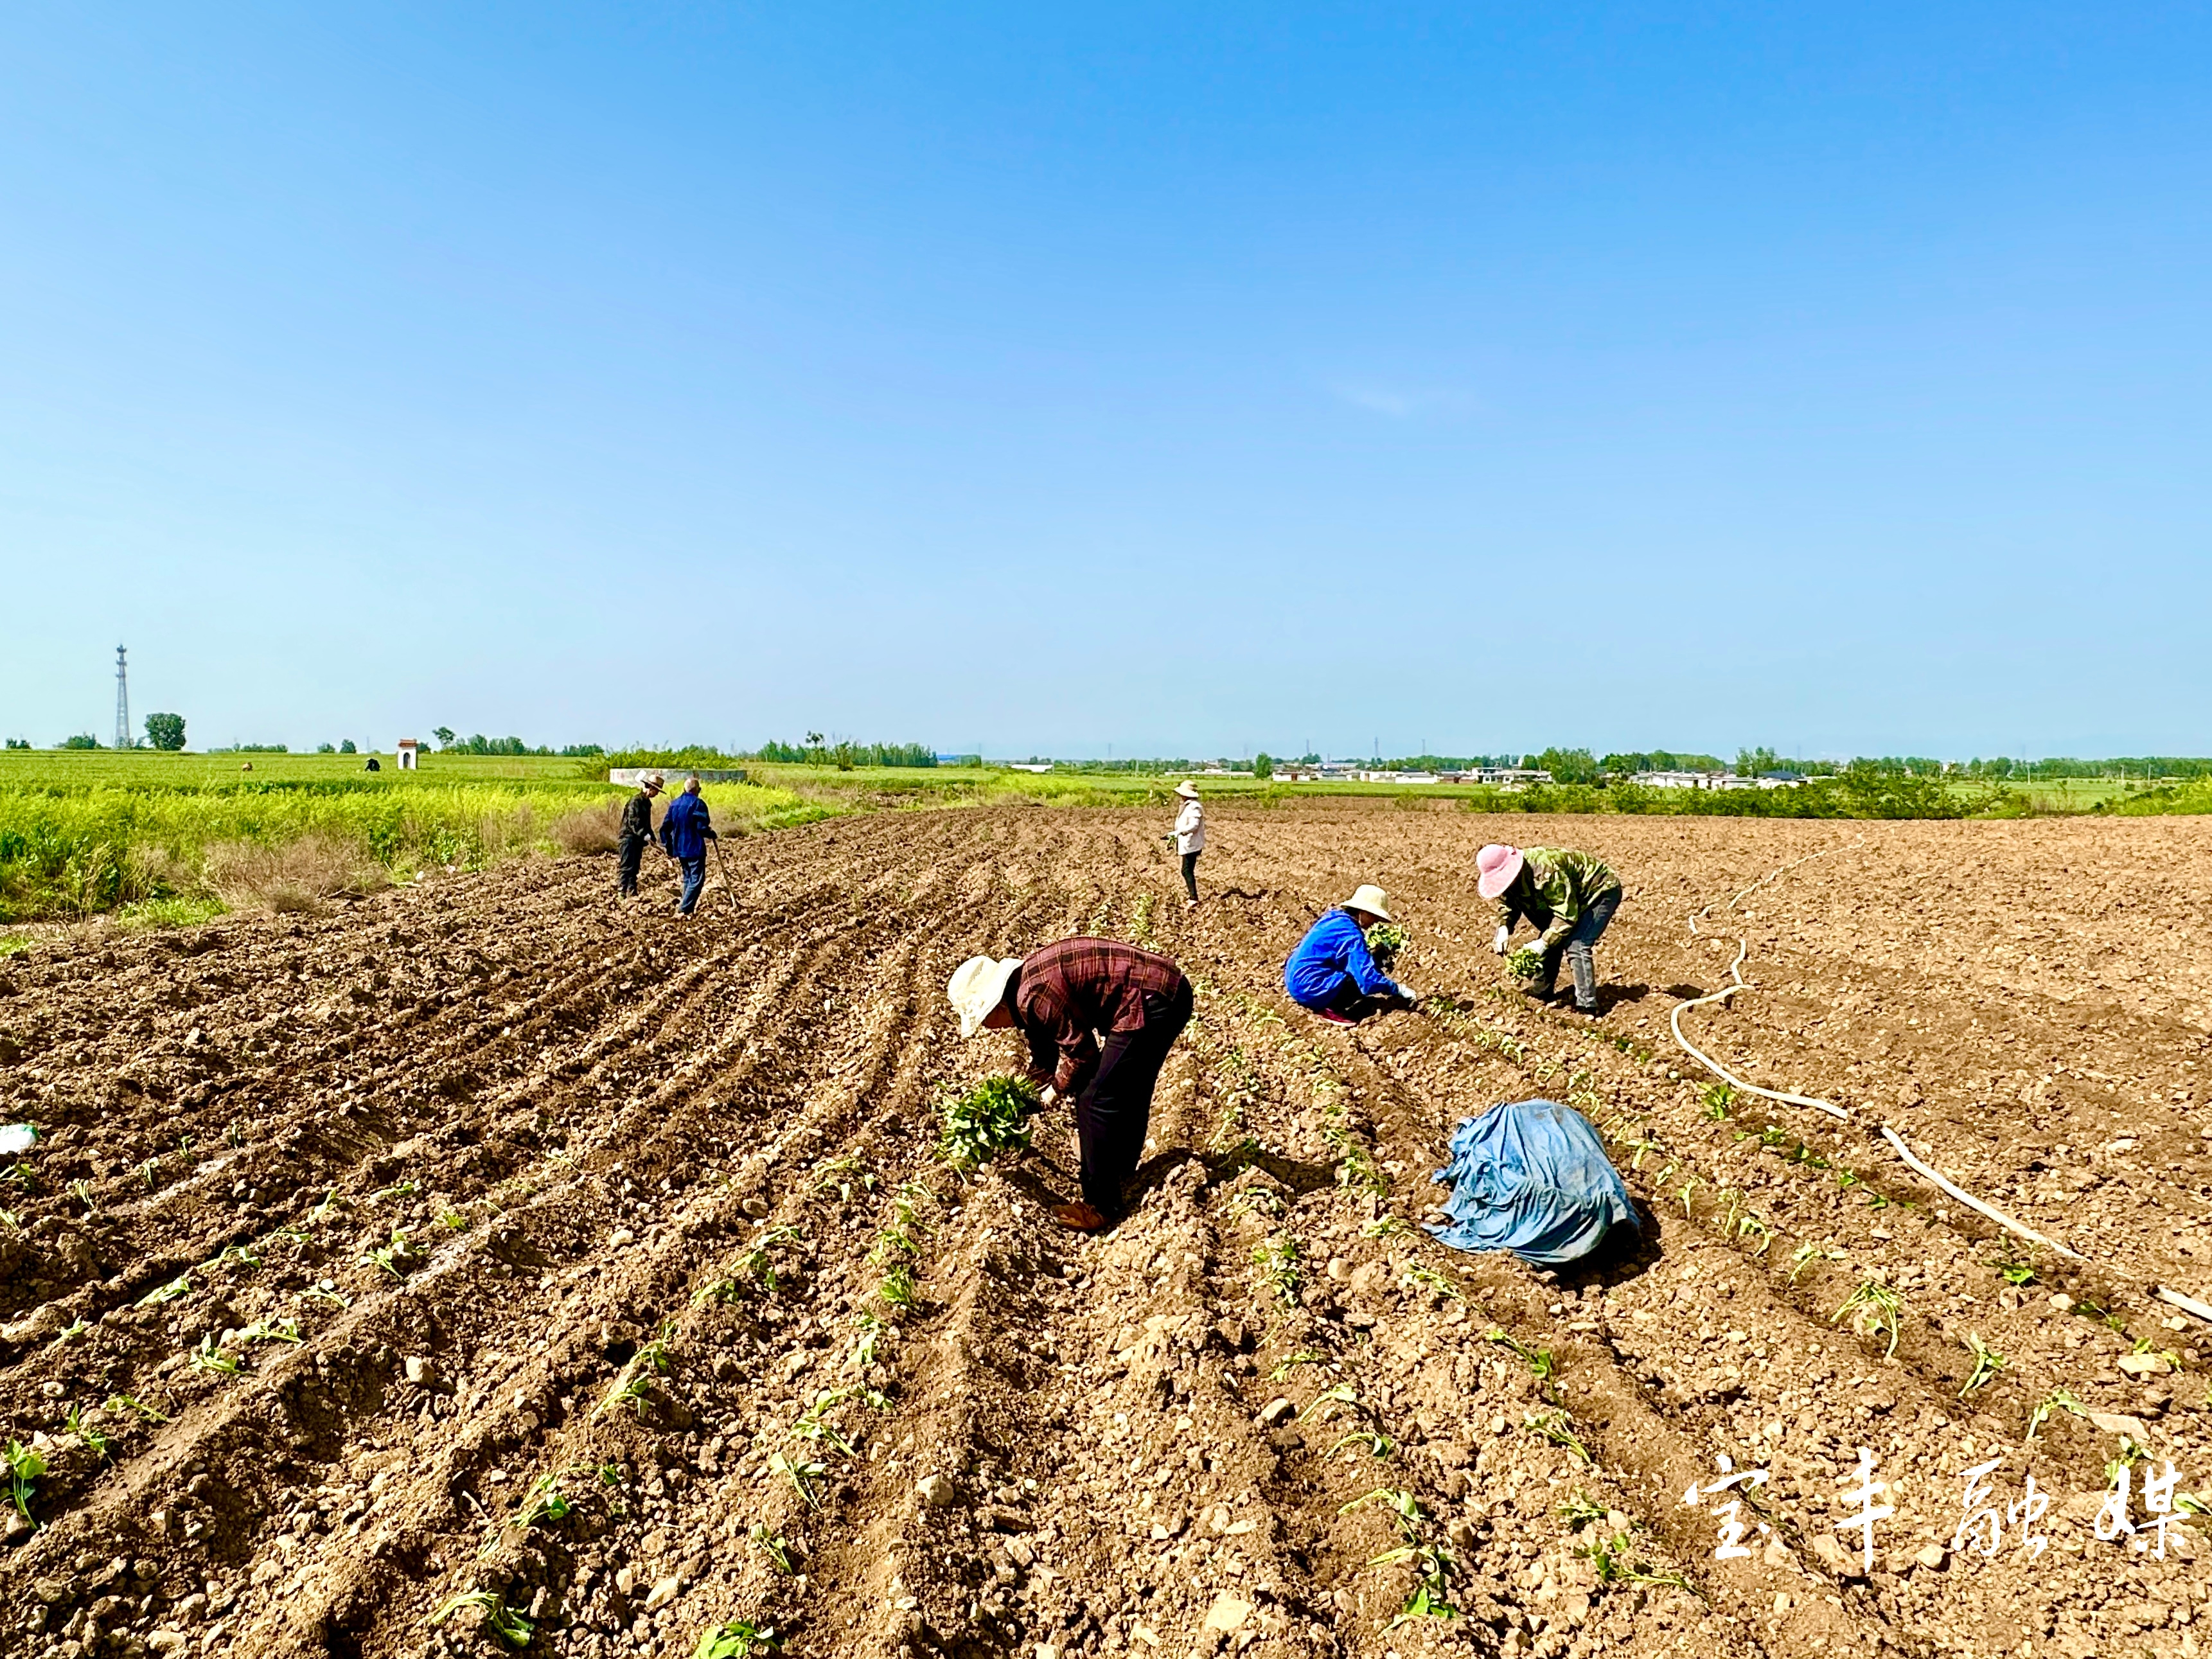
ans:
x=582 y=1220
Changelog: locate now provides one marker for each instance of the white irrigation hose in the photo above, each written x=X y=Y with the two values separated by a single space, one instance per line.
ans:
x=2188 y=1304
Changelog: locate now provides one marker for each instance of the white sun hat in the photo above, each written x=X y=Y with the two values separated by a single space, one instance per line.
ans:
x=978 y=986
x=1187 y=789
x=1369 y=899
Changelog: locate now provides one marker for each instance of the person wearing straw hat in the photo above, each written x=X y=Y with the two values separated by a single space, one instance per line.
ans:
x=1334 y=974
x=1568 y=896
x=1063 y=999
x=1189 y=838
x=636 y=832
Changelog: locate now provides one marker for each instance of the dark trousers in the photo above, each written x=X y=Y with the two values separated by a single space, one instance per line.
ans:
x=1348 y=1000
x=695 y=878
x=633 y=854
x=1114 y=1112
x=1190 y=874
x=1581 y=937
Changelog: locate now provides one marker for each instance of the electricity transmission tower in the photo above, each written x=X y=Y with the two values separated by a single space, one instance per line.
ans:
x=122 y=701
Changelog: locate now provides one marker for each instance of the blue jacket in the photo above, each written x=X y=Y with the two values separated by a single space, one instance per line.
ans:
x=685 y=830
x=1332 y=949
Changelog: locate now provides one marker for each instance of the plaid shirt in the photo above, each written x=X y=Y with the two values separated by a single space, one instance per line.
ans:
x=1074 y=988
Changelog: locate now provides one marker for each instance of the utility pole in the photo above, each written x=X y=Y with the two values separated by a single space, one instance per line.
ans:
x=122 y=701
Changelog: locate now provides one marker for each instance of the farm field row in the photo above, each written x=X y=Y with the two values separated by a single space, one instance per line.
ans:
x=481 y=1239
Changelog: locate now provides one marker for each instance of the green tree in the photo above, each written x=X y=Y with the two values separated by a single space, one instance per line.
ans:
x=166 y=732
x=1750 y=763
x=326 y=748
x=82 y=740
x=345 y=746
x=1263 y=765
x=444 y=735
x=1569 y=765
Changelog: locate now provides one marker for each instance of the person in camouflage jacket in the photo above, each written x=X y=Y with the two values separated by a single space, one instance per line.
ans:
x=1567 y=895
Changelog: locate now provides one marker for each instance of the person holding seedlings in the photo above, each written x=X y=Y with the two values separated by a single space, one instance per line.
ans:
x=1189 y=838
x=636 y=833
x=1568 y=897
x=1334 y=974
x=684 y=832
x=1063 y=999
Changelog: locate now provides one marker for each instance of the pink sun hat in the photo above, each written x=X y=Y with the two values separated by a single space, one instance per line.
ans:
x=1496 y=866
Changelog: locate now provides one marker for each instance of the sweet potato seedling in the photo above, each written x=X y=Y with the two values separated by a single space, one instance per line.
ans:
x=777 y=1548
x=25 y=1466
x=180 y=1286
x=1581 y=1511
x=510 y=1627
x=70 y=1332
x=1555 y=1426
x=1434 y=1283
x=1277 y=1259
x=210 y=1357
x=124 y=1402
x=1876 y=1310
x=73 y=1423
x=1304 y=1357
x=991 y=1118
x=739 y=1638
x=81 y=1190
x=271 y=1330
x=1988 y=1362
x=1541 y=1365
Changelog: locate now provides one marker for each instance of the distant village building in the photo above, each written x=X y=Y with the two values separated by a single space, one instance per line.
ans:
x=1722 y=781
x=404 y=760
x=1029 y=766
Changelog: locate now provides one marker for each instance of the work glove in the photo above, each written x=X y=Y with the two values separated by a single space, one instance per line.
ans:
x=1497 y=940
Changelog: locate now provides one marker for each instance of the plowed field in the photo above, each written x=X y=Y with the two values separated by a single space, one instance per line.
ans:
x=482 y=1236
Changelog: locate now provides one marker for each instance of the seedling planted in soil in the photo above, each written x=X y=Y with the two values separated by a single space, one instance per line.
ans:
x=777 y=1548
x=1988 y=1362
x=1554 y=1427
x=510 y=1627
x=209 y=1358
x=24 y=1468
x=122 y=1402
x=180 y=1286
x=1541 y=1365
x=740 y=1638
x=1876 y=1310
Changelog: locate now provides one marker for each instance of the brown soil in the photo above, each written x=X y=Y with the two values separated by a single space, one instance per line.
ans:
x=493 y=1149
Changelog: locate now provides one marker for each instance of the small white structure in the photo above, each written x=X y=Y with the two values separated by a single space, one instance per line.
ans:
x=404 y=759
x=673 y=776
x=1029 y=766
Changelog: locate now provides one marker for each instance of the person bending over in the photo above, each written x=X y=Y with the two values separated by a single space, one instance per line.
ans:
x=1567 y=896
x=1333 y=973
x=1063 y=999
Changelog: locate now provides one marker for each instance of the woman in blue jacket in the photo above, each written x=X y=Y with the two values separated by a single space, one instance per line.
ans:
x=1333 y=973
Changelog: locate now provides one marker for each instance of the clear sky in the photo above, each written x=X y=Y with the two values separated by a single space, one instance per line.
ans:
x=1183 y=378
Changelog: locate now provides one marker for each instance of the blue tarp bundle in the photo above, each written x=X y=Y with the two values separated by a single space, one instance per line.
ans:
x=1531 y=1177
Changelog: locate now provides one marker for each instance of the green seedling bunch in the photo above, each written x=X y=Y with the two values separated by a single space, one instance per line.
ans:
x=739 y=1638
x=1256 y=1198
x=236 y=1255
x=2017 y=1273
x=1527 y=962
x=1304 y=1357
x=124 y=1402
x=180 y=1286
x=70 y=1332
x=1343 y=1394
x=398 y=1189
x=210 y=1357
x=1541 y=1365
x=25 y=1466
x=1385 y=939
x=510 y=1627
x=842 y=1172
x=897 y=1288
x=1556 y=1427
x=633 y=1386
x=1876 y=1310
x=1389 y=1225
x=1718 y=1099
x=81 y=1190
x=1988 y=1362
x=271 y=1330
x=991 y=1118
x=1277 y=1259
x=2131 y=1452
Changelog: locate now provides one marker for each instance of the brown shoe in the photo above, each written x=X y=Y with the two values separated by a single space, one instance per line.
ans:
x=1078 y=1217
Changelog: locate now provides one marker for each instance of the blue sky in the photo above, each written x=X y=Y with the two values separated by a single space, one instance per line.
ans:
x=1181 y=379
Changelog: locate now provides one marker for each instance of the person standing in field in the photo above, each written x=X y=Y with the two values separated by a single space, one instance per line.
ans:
x=685 y=829
x=1189 y=838
x=1334 y=974
x=636 y=833
x=1568 y=896
x=1063 y=999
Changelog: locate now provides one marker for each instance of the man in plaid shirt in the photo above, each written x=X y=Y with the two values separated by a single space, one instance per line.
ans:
x=1064 y=999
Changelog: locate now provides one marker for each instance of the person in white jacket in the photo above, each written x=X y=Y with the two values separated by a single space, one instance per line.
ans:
x=1189 y=838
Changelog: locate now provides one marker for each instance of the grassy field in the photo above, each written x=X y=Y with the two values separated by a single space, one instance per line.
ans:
x=168 y=838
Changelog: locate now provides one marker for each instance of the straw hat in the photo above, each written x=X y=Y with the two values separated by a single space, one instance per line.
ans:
x=653 y=780
x=1495 y=869
x=1369 y=899
x=1187 y=789
x=978 y=986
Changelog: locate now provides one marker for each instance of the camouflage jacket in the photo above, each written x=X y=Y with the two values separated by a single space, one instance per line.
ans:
x=1555 y=886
